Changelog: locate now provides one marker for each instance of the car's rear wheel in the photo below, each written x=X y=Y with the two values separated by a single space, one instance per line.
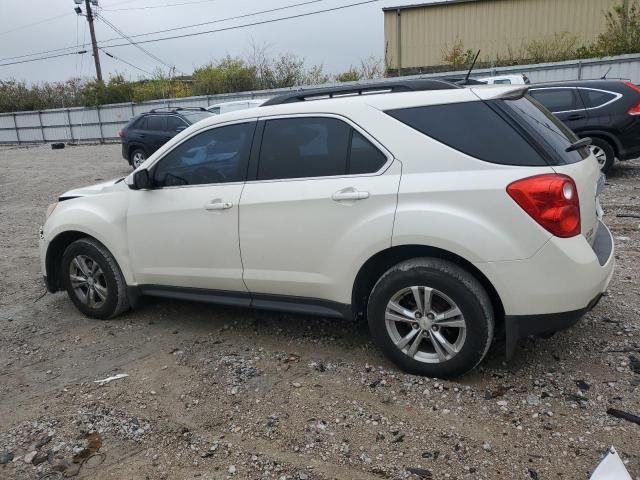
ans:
x=431 y=317
x=137 y=157
x=604 y=153
x=93 y=279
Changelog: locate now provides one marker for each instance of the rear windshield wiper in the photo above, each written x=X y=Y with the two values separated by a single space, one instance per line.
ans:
x=582 y=143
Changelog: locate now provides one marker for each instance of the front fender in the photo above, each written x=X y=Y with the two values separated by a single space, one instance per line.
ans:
x=91 y=216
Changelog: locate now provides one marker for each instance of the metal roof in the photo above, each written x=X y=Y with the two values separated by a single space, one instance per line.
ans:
x=430 y=4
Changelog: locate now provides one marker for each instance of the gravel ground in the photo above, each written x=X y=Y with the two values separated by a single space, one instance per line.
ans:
x=217 y=392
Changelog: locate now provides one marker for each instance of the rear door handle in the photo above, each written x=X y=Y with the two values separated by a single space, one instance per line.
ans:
x=575 y=116
x=218 y=205
x=349 y=194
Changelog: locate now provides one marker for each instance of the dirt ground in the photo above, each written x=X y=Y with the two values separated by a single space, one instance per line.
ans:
x=216 y=392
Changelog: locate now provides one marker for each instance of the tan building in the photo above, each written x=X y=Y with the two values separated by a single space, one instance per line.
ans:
x=419 y=35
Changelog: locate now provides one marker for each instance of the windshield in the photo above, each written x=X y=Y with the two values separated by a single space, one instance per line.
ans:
x=194 y=117
x=547 y=131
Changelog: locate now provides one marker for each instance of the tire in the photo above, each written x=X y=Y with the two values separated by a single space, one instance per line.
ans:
x=451 y=287
x=103 y=282
x=604 y=153
x=137 y=157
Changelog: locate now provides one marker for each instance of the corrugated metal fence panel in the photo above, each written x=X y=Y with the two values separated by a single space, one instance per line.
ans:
x=57 y=134
x=88 y=124
x=86 y=132
x=6 y=121
x=83 y=116
x=26 y=120
x=116 y=113
x=111 y=130
x=31 y=135
x=8 y=136
x=52 y=118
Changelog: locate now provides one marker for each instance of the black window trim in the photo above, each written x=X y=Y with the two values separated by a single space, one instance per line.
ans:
x=563 y=88
x=253 y=120
x=254 y=159
x=184 y=120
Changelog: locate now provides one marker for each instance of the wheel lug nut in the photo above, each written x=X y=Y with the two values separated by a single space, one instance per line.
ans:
x=430 y=316
x=435 y=328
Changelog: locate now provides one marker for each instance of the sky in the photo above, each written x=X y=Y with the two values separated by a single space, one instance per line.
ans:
x=335 y=39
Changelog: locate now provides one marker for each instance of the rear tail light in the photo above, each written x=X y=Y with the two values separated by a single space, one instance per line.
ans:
x=635 y=110
x=551 y=200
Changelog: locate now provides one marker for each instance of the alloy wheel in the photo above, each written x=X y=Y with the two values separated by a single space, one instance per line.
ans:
x=138 y=159
x=425 y=324
x=600 y=155
x=88 y=281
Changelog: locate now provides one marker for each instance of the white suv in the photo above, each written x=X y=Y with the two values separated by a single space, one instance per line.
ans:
x=441 y=214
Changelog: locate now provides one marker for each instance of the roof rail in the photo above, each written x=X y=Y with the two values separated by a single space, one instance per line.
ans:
x=360 y=89
x=176 y=109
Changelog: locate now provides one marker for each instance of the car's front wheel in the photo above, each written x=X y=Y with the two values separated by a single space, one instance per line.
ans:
x=93 y=279
x=137 y=157
x=431 y=317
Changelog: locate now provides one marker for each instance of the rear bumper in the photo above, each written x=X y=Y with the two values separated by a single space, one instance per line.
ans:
x=553 y=289
x=125 y=151
x=522 y=326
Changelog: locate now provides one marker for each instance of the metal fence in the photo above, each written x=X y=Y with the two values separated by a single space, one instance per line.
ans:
x=102 y=123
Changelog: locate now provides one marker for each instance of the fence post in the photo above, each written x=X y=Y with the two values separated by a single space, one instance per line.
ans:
x=579 y=69
x=100 y=124
x=41 y=126
x=69 y=123
x=15 y=124
x=133 y=113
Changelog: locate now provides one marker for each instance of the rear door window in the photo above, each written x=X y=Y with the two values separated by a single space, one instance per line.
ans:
x=558 y=99
x=155 y=123
x=473 y=128
x=595 y=98
x=303 y=147
x=173 y=123
x=364 y=157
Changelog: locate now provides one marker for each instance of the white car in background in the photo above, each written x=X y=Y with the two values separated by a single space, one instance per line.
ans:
x=441 y=214
x=518 y=79
x=225 y=107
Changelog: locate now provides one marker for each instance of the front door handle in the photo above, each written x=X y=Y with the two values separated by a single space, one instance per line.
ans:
x=349 y=194
x=218 y=205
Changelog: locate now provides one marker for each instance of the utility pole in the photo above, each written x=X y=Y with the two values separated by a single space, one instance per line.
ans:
x=89 y=15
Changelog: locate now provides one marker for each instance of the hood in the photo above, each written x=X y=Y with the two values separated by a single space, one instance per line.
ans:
x=103 y=187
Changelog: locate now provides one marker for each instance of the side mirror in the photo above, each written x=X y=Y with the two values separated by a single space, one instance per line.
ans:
x=141 y=180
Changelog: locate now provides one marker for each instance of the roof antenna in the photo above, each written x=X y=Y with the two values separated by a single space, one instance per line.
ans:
x=604 y=77
x=473 y=64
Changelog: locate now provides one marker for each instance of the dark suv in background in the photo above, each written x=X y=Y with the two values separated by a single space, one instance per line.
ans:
x=608 y=111
x=147 y=132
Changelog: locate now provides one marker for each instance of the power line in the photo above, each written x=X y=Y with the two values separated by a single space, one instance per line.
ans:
x=81 y=52
x=142 y=49
x=237 y=17
x=262 y=22
x=158 y=6
x=124 y=61
x=44 y=20
x=203 y=32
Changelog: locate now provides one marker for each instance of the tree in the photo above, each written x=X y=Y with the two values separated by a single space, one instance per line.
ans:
x=350 y=75
x=622 y=34
x=457 y=55
x=552 y=48
x=371 y=68
x=231 y=74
